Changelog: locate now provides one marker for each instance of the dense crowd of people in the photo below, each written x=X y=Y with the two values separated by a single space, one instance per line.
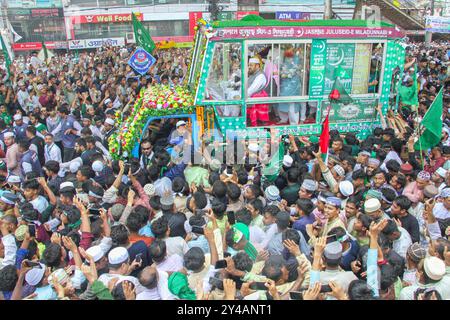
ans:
x=370 y=223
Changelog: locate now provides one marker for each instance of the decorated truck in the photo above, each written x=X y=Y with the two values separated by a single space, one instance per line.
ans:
x=249 y=76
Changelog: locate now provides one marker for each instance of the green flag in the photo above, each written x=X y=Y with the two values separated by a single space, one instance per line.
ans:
x=338 y=93
x=6 y=57
x=272 y=169
x=431 y=125
x=143 y=38
x=340 y=72
x=409 y=95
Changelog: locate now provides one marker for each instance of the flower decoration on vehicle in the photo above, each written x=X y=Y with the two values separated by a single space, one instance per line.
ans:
x=157 y=101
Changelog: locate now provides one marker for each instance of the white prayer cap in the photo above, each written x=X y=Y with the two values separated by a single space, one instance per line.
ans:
x=254 y=60
x=442 y=172
x=74 y=166
x=97 y=166
x=17 y=117
x=35 y=275
x=96 y=252
x=253 y=147
x=109 y=121
x=287 y=160
x=118 y=255
x=8 y=135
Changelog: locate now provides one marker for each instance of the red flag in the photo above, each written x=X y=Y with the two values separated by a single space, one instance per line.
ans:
x=324 y=140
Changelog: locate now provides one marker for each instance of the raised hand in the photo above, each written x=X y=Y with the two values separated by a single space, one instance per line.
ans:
x=313 y=292
x=229 y=287
x=293 y=248
x=129 y=290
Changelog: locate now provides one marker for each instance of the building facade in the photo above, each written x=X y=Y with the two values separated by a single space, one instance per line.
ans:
x=85 y=24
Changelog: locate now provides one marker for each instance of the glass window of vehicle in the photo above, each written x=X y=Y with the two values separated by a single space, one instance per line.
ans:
x=224 y=77
x=277 y=70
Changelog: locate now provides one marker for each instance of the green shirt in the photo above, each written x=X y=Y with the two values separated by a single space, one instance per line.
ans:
x=221 y=223
x=40 y=127
x=6 y=117
x=197 y=175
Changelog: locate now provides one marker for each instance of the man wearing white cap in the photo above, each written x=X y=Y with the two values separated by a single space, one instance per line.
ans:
x=12 y=154
x=119 y=267
x=19 y=127
x=441 y=210
x=257 y=81
x=431 y=271
x=22 y=94
x=438 y=178
x=108 y=130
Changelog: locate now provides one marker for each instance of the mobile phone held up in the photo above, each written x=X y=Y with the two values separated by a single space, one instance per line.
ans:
x=221 y=264
x=32 y=229
x=258 y=286
x=216 y=282
x=296 y=295
x=138 y=258
x=32 y=264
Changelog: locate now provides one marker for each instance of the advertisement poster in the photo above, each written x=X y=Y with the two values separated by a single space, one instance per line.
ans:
x=193 y=18
x=340 y=56
x=317 y=70
x=438 y=24
x=361 y=69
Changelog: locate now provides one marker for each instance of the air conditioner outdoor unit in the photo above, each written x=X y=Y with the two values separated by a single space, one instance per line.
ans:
x=130 y=37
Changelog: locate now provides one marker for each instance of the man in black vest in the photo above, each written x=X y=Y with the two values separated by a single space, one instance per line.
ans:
x=108 y=130
x=29 y=161
x=36 y=143
x=84 y=153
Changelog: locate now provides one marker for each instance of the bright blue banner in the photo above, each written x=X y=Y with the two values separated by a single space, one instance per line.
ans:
x=141 y=61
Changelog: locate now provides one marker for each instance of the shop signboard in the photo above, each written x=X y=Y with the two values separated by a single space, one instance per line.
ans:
x=292 y=15
x=98 y=43
x=106 y=18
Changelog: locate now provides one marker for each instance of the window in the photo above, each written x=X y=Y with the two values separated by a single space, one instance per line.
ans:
x=229 y=110
x=277 y=70
x=224 y=78
x=358 y=66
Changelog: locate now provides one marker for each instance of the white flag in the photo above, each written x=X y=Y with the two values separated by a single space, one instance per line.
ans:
x=16 y=36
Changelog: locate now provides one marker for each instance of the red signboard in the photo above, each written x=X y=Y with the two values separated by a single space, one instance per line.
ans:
x=52 y=12
x=295 y=32
x=30 y=46
x=241 y=14
x=26 y=46
x=193 y=18
x=105 y=18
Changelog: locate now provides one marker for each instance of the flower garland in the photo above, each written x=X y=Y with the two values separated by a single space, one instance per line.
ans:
x=157 y=101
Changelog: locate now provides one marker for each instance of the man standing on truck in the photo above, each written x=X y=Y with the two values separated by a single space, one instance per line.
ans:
x=256 y=84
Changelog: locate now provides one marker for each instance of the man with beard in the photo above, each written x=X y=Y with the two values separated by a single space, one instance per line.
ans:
x=108 y=131
x=372 y=166
x=256 y=83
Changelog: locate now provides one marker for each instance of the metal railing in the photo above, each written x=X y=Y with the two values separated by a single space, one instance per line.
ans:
x=409 y=7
